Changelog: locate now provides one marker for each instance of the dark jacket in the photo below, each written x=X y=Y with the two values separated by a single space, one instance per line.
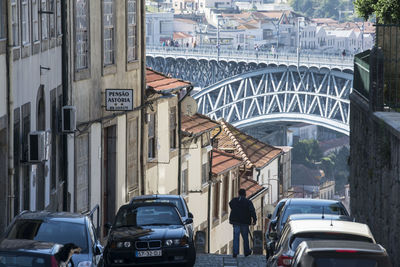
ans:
x=242 y=210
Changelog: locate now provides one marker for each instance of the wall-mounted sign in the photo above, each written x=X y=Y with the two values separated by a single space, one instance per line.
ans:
x=119 y=99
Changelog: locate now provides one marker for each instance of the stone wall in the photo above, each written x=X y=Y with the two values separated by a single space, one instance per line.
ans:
x=375 y=173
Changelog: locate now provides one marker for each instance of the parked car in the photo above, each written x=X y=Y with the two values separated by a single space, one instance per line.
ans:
x=61 y=228
x=271 y=227
x=295 y=232
x=329 y=217
x=177 y=200
x=310 y=206
x=149 y=233
x=328 y=253
x=22 y=252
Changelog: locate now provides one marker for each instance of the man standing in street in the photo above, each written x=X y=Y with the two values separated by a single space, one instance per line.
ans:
x=242 y=215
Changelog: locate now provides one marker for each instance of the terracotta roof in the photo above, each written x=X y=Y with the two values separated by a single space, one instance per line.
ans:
x=254 y=152
x=159 y=81
x=197 y=124
x=251 y=187
x=187 y=21
x=181 y=35
x=222 y=162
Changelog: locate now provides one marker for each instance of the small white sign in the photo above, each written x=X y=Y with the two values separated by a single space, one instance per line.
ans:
x=119 y=99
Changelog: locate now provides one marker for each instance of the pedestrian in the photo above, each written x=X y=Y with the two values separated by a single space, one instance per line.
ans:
x=64 y=254
x=343 y=53
x=187 y=44
x=242 y=215
x=238 y=47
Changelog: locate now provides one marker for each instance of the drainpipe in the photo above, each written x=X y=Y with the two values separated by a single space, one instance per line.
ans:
x=209 y=193
x=142 y=94
x=189 y=89
x=10 y=111
x=258 y=175
x=65 y=85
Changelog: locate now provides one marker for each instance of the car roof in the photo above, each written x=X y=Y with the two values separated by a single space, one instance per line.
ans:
x=343 y=227
x=154 y=196
x=144 y=204
x=32 y=246
x=328 y=245
x=52 y=216
x=314 y=216
x=306 y=201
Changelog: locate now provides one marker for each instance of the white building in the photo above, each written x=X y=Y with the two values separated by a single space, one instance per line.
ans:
x=159 y=27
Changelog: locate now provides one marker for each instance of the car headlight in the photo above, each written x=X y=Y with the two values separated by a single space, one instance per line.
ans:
x=121 y=244
x=168 y=242
x=85 y=264
x=176 y=242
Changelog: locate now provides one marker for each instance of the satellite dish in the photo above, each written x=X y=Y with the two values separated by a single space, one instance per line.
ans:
x=189 y=106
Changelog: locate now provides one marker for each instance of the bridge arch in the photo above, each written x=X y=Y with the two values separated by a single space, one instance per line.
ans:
x=284 y=93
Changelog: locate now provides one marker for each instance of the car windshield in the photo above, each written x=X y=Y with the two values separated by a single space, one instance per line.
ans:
x=176 y=201
x=147 y=215
x=12 y=259
x=297 y=239
x=51 y=231
x=313 y=209
x=335 y=262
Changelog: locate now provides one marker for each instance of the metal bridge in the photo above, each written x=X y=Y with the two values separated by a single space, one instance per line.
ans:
x=254 y=89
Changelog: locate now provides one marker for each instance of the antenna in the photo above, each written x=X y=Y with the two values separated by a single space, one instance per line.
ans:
x=323 y=212
x=331 y=221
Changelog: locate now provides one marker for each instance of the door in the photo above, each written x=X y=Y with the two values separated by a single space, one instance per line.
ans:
x=40 y=174
x=110 y=155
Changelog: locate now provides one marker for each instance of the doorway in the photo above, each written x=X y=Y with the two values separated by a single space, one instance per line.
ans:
x=40 y=175
x=110 y=155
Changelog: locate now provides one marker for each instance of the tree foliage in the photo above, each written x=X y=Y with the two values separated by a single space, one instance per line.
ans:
x=386 y=11
x=320 y=8
x=307 y=152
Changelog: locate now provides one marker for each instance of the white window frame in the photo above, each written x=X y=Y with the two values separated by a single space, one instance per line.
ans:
x=81 y=34
x=15 y=22
x=131 y=30
x=52 y=18
x=58 y=19
x=3 y=24
x=35 y=20
x=44 y=20
x=25 y=23
x=108 y=32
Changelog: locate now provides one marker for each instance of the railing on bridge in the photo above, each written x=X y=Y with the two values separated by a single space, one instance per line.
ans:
x=226 y=54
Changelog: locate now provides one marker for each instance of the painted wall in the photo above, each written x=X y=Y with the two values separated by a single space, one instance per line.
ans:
x=121 y=162
x=3 y=86
x=95 y=164
x=268 y=177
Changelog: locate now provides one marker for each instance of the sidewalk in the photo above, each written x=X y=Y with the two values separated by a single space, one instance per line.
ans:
x=211 y=260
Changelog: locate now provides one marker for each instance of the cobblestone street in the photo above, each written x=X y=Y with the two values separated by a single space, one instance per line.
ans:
x=211 y=260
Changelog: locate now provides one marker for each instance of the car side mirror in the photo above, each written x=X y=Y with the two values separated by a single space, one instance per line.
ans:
x=107 y=226
x=269 y=216
x=190 y=215
x=189 y=221
x=98 y=249
x=273 y=222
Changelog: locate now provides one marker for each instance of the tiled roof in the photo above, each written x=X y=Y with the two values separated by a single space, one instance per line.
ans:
x=197 y=124
x=251 y=187
x=159 y=81
x=222 y=162
x=186 y=21
x=181 y=35
x=254 y=152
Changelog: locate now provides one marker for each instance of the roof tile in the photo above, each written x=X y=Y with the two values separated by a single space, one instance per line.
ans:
x=251 y=187
x=197 y=124
x=222 y=162
x=159 y=81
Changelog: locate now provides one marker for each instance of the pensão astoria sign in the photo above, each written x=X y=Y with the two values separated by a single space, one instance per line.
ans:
x=119 y=99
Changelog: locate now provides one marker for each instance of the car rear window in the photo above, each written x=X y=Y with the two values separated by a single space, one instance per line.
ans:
x=176 y=201
x=334 y=209
x=51 y=231
x=297 y=239
x=337 y=262
x=147 y=215
x=12 y=259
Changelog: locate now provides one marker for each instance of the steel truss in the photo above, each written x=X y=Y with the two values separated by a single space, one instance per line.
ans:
x=311 y=95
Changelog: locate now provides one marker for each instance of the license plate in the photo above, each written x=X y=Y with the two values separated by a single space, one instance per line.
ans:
x=148 y=253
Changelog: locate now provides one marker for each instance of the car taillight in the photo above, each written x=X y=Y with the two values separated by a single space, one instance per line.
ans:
x=53 y=262
x=284 y=261
x=346 y=250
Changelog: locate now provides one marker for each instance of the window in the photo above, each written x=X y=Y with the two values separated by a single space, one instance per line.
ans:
x=108 y=32
x=152 y=139
x=35 y=21
x=185 y=185
x=205 y=169
x=216 y=201
x=59 y=26
x=81 y=35
x=3 y=24
x=45 y=32
x=14 y=22
x=25 y=25
x=131 y=30
x=172 y=128
x=225 y=203
x=205 y=139
x=52 y=28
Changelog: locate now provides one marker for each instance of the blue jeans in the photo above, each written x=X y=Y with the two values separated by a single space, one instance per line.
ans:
x=244 y=230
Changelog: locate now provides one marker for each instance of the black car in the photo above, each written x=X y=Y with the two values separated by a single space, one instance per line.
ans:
x=147 y=234
x=329 y=217
x=306 y=205
x=22 y=252
x=61 y=228
x=177 y=200
x=328 y=253
x=270 y=228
